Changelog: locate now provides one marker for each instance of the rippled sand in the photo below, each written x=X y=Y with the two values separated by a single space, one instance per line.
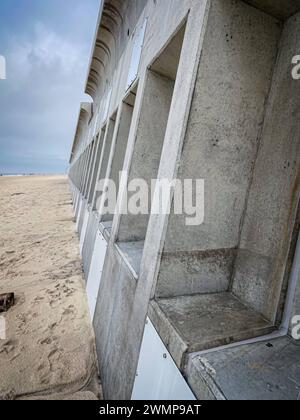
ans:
x=49 y=351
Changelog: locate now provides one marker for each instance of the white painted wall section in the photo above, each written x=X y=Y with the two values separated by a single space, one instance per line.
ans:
x=158 y=378
x=95 y=274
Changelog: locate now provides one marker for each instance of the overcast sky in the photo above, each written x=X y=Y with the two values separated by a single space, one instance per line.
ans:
x=47 y=44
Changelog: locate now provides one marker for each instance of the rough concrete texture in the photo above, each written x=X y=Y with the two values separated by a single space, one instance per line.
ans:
x=296 y=306
x=49 y=351
x=89 y=241
x=281 y=9
x=221 y=144
x=204 y=321
x=132 y=253
x=233 y=82
x=118 y=153
x=103 y=164
x=98 y=152
x=268 y=370
x=187 y=272
x=114 y=343
x=147 y=152
x=119 y=328
x=275 y=190
x=120 y=17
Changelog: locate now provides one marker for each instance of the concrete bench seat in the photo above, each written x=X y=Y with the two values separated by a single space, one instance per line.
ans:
x=190 y=324
x=268 y=370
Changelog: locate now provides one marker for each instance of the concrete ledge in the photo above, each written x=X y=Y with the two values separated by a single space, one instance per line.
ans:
x=105 y=229
x=268 y=370
x=189 y=324
x=132 y=253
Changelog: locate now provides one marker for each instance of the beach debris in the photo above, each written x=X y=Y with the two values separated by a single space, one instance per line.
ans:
x=16 y=194
x=7 y=300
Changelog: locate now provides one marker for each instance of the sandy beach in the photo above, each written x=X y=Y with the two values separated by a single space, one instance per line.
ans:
x=49 y=348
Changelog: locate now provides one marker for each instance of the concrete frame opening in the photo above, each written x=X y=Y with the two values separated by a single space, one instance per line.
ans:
x=225 y=280
x=90 y=167
x=106 y=149
x=119 y=148
x=154 y=116
x=98 y=151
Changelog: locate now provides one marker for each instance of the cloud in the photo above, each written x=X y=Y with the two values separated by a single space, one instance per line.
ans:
x=46 y=51
x=46 y=70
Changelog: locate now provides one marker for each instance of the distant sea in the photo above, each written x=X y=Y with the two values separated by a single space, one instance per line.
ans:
x=15 y=174
x=31 y=174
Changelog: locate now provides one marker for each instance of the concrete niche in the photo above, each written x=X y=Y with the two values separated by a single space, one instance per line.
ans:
x=154 y=116
x=225 y=280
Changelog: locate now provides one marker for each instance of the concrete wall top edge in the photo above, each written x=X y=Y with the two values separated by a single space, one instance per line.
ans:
x=85 y=113
x=116 y=22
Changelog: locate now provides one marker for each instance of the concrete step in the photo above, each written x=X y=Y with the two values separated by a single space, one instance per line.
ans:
x=268 y=370
x=188 y=324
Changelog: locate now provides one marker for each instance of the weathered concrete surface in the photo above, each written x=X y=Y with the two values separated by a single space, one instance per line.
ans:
x=147 y=152
x=221 y=142
x=261 y=371
x=269 y=223
x=204 y=321
x=296 y=306
x=281 y=9
x=236 y=62
x=114 y=346
x=89 y=241
x=132 y=253
x=187 y=272
x=122 y=305
x=50 y=347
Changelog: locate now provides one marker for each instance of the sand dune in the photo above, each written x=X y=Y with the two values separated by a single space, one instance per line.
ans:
x=49 y=351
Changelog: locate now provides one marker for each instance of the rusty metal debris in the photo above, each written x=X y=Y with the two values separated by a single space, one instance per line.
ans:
x=7 y=300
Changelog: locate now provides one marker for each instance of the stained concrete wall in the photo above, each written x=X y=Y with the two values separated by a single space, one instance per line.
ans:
x=123 y=298
x=295 y=310
x=118 y=150
x=115 y=27
x=98 y=152
x=296 y=306
x=275 y=190
x=107 y=143
x=220 y=147
x=281 y=9
x=90 y=168
x=148 y=146
x=123 y=301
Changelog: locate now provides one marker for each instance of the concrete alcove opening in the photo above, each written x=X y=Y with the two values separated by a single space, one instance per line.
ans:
x=98 y=151
x=120 y=146
x=240 y=139
x=107 y=144
x=90 y=168
x=154 y=116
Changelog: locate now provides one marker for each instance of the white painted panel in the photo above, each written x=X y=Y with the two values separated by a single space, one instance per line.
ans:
x=138 y=42
x=95 y=273
x=158 y=378
x=84 y=228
